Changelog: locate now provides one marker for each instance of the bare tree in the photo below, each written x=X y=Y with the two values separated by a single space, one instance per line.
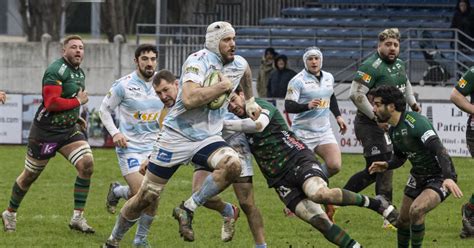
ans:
x=42 y=16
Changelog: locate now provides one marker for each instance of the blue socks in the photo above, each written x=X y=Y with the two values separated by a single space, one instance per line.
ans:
x=209 y=189
x=143 y=228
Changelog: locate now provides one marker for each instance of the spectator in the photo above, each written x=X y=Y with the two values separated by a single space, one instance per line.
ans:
x=266 y=67
x=279 y=78
x=461 y=20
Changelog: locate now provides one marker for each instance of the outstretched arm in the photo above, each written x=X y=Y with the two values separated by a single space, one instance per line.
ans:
x=358 y=95
x=248 y=125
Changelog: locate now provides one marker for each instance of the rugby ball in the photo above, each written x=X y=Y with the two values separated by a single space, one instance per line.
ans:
x=218 y=102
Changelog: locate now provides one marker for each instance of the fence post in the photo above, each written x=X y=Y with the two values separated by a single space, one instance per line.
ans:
x=45 y=41
x=118 y=40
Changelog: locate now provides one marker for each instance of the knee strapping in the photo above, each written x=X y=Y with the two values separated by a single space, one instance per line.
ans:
x=226 y=154
x=307 y=210
x=34 y=167
x=79 y=153
x=313 y=185
x=151 y=190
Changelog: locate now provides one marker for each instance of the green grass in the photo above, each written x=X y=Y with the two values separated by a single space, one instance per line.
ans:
x=44 y=213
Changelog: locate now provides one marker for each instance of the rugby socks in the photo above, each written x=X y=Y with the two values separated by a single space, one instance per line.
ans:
x=337 y=236
x=351 y=198
x=16 y=197
x=403 y=237
x=81 y=190
x=122 y=191
x=143 y=228
x=324 y=169
x=471 y=202
x=417 y=235
x=228 y=210
x=209 y=189
x=264 y=245
x=121 y=226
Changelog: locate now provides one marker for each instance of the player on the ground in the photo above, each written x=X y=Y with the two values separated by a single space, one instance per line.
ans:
x=432 y=177
x=292 y=169
x=382 y=68
x=56 y=129
x=138 y=107
x=191 y=124
x=464 y=88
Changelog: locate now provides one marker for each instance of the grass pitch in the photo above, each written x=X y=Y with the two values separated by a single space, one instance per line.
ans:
x=45 y=211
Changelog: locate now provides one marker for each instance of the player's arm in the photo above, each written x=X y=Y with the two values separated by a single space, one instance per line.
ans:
x=53 y=101
x=251 y=107
x=397 y=160
x=194 y=95
x=358 y=95
x=334 y=107
x=107 y=107
x=292 y=96
x=248 y=125
x=461 y=101
x=410 y=97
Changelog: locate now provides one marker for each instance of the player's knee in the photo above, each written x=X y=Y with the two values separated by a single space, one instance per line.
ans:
x=228 y=160
x=316 y=189
x=321 y=223
x=151 y=191
x=334 y=167
x=313 y=214
x=33 y=169
x=416 y=212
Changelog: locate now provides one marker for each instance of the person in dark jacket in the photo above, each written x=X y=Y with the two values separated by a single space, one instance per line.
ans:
x=462 y=18
x=279 y=78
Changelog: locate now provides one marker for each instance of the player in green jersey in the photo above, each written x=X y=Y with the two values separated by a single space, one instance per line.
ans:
x=432 y=177
x=465 y=87
x=291 y=168
x=382 y=68
x=56 y=129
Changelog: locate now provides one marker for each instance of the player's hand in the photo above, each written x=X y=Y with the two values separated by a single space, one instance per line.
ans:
x=451 y=186
x=378 y=166
x=83 y=124
x=383 y=125
x=120 y=140
x=314 y=103
x=3 y=97
x=415 y=107
x=342 y=125
x=252 y=109
x=225 y=83
x=143 y=167
x=82 y=96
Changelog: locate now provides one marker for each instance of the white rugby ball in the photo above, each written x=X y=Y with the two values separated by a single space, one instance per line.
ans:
x=218 y=102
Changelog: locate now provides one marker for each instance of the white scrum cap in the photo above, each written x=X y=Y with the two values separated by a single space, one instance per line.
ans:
x=215 y=33
x=312 y=51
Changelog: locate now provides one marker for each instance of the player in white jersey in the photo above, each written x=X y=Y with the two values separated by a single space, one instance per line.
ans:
x=310 y=95
x=138 y=109
x=191 y=132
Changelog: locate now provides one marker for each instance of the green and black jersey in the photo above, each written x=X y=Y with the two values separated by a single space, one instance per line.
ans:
x=275 y=146
x=409 y=138
x=61 y=73
x=465 y=86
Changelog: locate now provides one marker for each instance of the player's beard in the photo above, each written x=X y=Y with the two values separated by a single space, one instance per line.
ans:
x=147 y=73
x=383 y=117
x=389 y=58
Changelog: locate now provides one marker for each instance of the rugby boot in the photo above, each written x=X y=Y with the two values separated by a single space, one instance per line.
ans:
x=111 y=244
x=388 y=211
x=467 y=230
x=142 y=244
x=80 y=224
x=112 y=200
x=228 y=226
x=9 y=221
x=184 y=217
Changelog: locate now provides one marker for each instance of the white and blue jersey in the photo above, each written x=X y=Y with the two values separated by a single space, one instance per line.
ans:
x=138 y=110
x=305 y=87
x=200 y=123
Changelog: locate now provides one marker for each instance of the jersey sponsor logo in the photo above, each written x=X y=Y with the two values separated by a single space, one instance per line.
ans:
x=364 y=76
x=134 y=88
x=58 y=82
x=292 y=142
x=192 y=69
x=62 y=69
x=132 y=162
x=427 y=135
x=404 y=132
x=164 y=156
x=411 y=182
x=109 y=94
x=410 y=120
x=377 y=63
x=374 y=150
x=323 y=104
x=462 y=83
x=48 y=148
x=146 y=116
x=283 y=191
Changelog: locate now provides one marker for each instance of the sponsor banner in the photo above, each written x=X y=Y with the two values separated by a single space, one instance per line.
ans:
x=31 y=104
x=10 y=120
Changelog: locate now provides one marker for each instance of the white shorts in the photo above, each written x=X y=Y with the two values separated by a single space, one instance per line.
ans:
x=240 y=144
x=314 y=139
x=171 y=148
x=130 y=162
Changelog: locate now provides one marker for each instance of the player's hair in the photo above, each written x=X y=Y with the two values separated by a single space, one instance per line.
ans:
x=392 y=33
x=390 y=94
x=238 y=89
x=145 y=48
x=71 y=37
x=163 y=74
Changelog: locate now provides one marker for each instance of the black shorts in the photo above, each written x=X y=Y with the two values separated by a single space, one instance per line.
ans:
x=374 y=140
x=43 y=144
x=416 y=185
x=470 y=140
x=290 y=186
